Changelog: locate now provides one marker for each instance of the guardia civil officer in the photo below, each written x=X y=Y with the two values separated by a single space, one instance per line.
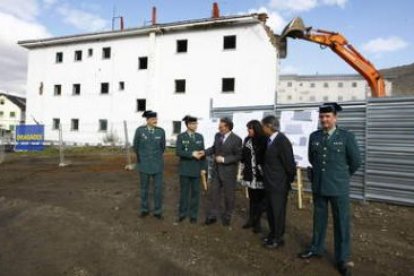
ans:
x=149 y=146
x=334 y=155
x=193 y=163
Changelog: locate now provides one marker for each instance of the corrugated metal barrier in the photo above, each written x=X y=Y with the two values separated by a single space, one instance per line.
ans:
x=390 y=150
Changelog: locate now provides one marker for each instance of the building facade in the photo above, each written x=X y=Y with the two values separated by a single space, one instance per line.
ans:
x=324 y=88
x=12 y=111
x=91 y=83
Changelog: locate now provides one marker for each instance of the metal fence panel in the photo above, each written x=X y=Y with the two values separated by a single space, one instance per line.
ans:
x=390 y=146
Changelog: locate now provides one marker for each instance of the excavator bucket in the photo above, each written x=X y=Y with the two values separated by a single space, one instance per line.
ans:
x=295 y=29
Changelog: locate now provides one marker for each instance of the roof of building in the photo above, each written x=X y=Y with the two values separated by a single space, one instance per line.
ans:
x=158 y=28
x=20 y=101
x=325 y=77
x=321 y=77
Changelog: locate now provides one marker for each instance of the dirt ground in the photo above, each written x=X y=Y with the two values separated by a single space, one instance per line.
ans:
x=83 y=220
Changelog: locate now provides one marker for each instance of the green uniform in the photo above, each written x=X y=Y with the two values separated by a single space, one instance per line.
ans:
x=190 y=170
x=335 y=158
x=149 y=146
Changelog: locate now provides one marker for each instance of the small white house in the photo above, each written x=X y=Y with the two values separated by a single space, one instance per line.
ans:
x=12 y=111
x=91 y=83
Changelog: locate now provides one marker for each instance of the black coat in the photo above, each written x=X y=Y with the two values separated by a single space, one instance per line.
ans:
x=279 y=165
x=259 y=148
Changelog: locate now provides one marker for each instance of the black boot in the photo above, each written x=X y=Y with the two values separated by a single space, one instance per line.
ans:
x=257 y=216
x=345 y=269
x=249 y=223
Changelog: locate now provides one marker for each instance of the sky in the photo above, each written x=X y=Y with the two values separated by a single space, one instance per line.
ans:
x=379 y=29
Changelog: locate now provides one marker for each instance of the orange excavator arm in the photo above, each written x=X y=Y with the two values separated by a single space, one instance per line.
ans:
x=338 y=44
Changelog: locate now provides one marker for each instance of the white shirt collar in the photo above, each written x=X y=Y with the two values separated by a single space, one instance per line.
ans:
x=273 y=136
x=226 y=136
x=331 y=131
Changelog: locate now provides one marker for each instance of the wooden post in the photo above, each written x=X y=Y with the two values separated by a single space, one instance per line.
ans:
x=299 y=186
x=239 y=172
x=2 y=151
x=61 y=154
x=129 y=166
x=204 y=180
x=246 y=192
x=240 y=179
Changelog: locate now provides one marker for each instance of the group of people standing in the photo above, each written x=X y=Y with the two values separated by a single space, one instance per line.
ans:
x=268 y=168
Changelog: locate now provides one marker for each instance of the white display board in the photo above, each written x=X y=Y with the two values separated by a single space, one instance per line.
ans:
x=208 y=128
x=240 y=119
x=297 y=126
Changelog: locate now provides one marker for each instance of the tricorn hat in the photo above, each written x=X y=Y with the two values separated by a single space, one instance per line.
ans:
x=330 y=107
x=149 y=114
x=189 y=119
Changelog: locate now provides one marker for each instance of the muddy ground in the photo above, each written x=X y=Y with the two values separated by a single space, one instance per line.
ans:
x=83 y=220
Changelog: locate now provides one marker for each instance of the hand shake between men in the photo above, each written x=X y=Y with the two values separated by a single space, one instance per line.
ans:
x=200 y=154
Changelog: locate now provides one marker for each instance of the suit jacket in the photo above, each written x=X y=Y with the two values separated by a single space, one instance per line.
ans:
x=231 y=151
x=279 y=165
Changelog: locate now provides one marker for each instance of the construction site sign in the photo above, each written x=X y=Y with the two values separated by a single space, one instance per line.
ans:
x=30 y=137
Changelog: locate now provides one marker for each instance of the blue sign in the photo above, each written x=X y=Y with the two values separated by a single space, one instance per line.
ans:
x=30 y=137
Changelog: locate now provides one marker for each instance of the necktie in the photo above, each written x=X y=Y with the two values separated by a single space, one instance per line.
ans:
x=325 y=137
x=269 y=141
x=221 y=139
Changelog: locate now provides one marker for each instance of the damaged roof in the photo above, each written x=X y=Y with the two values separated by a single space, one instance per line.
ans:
x=158 y=28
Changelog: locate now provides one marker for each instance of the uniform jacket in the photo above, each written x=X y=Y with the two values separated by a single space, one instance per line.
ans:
x=333 y=161
x=190 y=166
x=149 y=147
x=279 y=165
x=231 y=151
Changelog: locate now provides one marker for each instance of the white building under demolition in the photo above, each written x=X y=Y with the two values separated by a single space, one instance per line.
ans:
x=91 y=83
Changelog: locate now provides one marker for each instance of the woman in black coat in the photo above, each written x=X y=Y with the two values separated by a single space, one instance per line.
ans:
x=254 y=148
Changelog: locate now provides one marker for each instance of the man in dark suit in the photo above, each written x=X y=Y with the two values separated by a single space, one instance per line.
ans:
x=279 y=172
x=227 y=154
